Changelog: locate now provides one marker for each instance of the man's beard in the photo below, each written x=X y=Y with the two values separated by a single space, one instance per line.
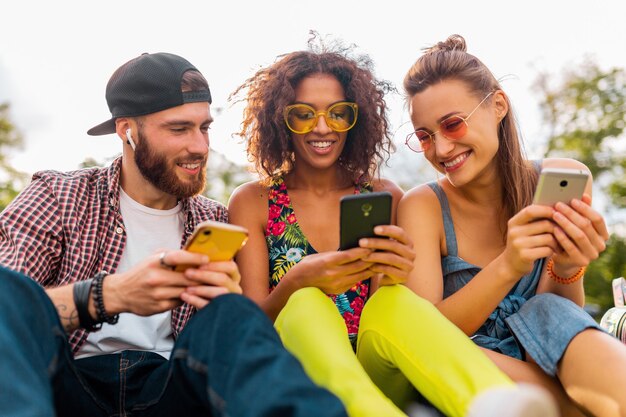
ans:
x=154 y=167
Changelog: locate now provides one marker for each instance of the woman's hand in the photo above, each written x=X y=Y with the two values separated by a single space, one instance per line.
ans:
x=529 y=237
x=332 y=272
x=581 y=234
x=391 y=257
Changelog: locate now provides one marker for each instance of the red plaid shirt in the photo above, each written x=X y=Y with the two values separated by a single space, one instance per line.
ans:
x=66 y=227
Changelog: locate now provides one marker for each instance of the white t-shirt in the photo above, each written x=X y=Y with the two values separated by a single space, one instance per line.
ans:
x=147 y=230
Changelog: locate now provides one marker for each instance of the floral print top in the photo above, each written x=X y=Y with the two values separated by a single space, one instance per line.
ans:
x=287 y=245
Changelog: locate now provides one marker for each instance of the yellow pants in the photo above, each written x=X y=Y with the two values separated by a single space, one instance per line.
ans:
x=404 y=343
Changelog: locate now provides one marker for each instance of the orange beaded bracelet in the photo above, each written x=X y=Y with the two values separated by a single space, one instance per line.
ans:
x=560 y=280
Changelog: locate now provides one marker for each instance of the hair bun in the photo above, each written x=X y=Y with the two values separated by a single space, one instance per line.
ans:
x=453 y=43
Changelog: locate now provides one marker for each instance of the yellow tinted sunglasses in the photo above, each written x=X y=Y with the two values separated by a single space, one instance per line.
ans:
x=302 y=118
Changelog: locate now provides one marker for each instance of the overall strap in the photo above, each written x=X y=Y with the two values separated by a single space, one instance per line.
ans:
x=448 y=225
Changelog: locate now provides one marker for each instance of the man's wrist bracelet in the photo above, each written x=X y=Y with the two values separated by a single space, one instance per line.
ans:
x=98 y=300
x=82 y=290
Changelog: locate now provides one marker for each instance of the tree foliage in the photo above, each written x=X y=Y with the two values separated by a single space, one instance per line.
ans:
x=223 y=176
x=11 y=180
x=586 y=116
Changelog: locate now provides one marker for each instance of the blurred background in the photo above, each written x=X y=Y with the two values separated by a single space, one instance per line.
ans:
x=562 y=63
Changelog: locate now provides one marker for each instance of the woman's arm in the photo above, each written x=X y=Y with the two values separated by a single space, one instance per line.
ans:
x=331 y=272
x=248 y=207
x=419 y=213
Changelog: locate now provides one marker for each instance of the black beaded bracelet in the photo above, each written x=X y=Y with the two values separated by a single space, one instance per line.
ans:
x=98 y=299
x=82 y=290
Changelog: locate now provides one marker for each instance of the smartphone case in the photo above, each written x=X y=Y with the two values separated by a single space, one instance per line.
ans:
x=360 y=213
x=219 y=241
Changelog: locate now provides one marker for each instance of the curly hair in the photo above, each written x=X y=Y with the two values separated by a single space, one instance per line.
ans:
x=449 y=60
x=272 y=88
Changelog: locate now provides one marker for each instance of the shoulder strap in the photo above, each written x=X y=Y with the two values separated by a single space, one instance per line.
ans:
x=448 y=225
x=276 y=187
x=363 y=187
x=276 y=183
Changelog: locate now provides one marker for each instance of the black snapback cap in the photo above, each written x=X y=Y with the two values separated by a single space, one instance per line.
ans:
x=147 y=84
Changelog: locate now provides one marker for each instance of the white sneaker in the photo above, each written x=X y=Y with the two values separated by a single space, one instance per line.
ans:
x=419 y=410
x=522 y=400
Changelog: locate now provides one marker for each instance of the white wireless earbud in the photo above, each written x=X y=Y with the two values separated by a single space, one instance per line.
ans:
x=129 y=139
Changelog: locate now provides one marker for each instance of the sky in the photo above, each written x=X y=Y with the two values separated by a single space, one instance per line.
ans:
x=56 y=57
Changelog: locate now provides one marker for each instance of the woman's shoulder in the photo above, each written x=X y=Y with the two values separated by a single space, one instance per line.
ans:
x=420 y=214
x=384 y=184
x=420 y=192
x=422 y=196
x=252 y=192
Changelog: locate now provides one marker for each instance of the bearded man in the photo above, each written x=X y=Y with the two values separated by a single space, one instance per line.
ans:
x=94 y=318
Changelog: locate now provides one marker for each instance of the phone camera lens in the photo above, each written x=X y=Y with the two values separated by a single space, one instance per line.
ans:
x=366 y=208
x=563 y=183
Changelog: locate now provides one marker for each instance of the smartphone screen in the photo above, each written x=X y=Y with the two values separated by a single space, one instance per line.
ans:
x=359 y=214
x=560 y=184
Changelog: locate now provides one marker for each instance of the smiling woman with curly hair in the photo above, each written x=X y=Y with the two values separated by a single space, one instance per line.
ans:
x=269 y=143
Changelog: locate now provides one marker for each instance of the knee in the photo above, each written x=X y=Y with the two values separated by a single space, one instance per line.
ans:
x=18 y=290
x=545 y=303
x=391 y=299
x=26 y=311
x=229 y=307
x=303 y=295
x=16 y=281
x=393 y=304
x=224 y=317
x=551 y=315
x=301 y=304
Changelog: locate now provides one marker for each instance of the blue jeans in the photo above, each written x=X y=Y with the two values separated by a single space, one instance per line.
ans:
x=228 y=361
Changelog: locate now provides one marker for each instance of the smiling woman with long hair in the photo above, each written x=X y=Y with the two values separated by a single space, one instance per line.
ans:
x=507 y=272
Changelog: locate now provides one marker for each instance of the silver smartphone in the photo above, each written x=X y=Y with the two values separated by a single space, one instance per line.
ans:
x=560 y=184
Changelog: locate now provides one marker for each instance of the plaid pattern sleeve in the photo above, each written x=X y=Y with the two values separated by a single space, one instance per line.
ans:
x=31 y=238
x=63 y=228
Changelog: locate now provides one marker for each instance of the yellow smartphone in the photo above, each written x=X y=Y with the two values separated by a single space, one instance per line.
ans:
x=219 y=241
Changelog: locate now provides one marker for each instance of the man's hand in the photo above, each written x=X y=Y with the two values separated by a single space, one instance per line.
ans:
x=151 y=286
x=210 y=281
